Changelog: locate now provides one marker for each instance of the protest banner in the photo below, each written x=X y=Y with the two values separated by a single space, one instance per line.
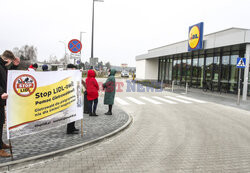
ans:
x=40 y=101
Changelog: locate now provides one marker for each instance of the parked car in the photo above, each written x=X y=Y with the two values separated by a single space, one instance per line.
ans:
x=124 y=74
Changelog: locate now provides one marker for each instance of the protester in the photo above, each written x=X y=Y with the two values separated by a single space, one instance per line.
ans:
x=71 y=129
x=86 y=102
x=33 y=67
x=45 y=67
x=92 y=92
x=109 y=87
x=5 y=60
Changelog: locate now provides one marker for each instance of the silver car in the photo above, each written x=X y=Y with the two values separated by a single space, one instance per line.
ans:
x=124 y=74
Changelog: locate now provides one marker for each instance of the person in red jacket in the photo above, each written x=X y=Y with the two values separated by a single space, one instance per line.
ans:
x=92 y=88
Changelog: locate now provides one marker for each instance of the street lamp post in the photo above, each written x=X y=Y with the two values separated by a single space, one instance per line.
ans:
x=93 y=16
x=81 y=40
x=65 y=54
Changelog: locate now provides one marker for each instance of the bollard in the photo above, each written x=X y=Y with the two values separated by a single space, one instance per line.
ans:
x=172 y=86
x=161 y=84
x=238 y=101
x=186 y=88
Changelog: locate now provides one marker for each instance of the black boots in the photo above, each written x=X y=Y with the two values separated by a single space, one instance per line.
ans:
x=110 y=110
x=93 y=114
x=108 y=113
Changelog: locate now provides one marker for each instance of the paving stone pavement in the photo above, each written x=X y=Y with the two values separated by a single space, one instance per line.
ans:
x=183 y=138
x=56 y=139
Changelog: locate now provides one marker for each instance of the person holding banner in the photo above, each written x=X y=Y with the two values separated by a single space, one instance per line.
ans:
x=5 y=61
x=71 y=129
x=92 y=92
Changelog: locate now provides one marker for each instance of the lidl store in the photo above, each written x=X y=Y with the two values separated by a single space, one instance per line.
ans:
x=201 y=61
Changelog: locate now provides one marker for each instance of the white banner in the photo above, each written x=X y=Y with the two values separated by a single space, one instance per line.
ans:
x=42 y=100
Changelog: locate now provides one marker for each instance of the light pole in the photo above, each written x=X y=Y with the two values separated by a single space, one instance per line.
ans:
x=81 y=40
x=93 y=16
x=65 y=54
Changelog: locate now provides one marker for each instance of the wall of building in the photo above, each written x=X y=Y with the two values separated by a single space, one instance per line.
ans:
x=140 y=69
x=232 y=36
x=225 y=38
x=151 y=71
x=147 y=69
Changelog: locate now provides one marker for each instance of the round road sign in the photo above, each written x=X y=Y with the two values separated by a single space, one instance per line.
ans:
x=75 y=46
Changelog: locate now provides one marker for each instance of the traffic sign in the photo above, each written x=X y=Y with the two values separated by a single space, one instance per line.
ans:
x=75 y=46
x=241 y=62
x=78 y=62
x=75 y=56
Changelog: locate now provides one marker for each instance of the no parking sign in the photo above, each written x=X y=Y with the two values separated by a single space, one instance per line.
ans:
x=75 y=46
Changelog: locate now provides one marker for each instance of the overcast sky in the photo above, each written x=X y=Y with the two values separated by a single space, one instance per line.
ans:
x=123 y=28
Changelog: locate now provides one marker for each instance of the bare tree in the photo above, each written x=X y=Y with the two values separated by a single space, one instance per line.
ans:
x=27 y=52
x=100 y=65
x=108 y=65
x=87 y=65
x=64 y=59
x=16 y=51
x=53 y=59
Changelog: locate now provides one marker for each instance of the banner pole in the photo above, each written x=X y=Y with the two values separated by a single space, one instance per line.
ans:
x=82 y=127
x=11 y=150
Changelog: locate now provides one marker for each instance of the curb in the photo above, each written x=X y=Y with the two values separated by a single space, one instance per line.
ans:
x=22 y=163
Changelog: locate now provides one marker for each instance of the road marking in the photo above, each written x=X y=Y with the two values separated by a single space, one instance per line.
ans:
x=192 y=99
x=152 y=101
x=122 y=102
x=164 y=100
x=135 y=101
x=179 y=100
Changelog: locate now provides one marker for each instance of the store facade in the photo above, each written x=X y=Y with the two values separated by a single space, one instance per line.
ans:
x=212 y=68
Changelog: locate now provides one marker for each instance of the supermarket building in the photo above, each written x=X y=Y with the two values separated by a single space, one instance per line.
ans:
x=212 y=67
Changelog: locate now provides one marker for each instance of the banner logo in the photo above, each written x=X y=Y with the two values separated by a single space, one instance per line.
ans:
x=25 y=85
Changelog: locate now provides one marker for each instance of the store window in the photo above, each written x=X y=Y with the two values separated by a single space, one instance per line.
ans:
x=170 y=69
x=189 y=69
x=216 y=71
x=168 y=75
x=225 y=68
x=179 y=70
x=233 y=72
x=183 y=71
x=159 y=69
x=167 y=70
x=209 y=71
x=248 y=86
x=200 y=71
x=195 y=72
x=163 y=69
x=175 y=69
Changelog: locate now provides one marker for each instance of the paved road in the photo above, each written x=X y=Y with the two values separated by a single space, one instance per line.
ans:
x=170 y=133
x=57 y=139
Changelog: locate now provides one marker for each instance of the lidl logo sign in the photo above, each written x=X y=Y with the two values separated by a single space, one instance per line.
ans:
x=195 y=37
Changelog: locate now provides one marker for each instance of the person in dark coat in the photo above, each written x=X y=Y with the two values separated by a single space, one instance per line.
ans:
x=71 y=129
x=109 y=87
x=45 y=67
x=92 y=88
x=5 y=60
